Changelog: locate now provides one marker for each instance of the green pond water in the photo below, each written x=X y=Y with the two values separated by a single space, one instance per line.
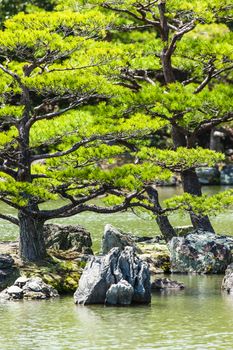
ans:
x=199 y=317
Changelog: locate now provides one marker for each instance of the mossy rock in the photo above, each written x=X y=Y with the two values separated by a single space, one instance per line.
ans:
x=61 y=274
x=157 y=256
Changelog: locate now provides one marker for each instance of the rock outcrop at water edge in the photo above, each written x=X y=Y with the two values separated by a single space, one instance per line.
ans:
x=201 y=252
x=118 y=278
x=28 y=288
x=227 y=283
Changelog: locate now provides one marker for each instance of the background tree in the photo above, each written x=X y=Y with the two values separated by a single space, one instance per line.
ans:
x=184 y=71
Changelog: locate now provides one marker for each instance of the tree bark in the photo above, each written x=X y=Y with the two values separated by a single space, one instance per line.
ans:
x=32 y=243
x=163 y=222
x=192 y=185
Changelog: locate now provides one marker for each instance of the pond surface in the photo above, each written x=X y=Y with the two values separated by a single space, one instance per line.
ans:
x=128 y=222
x=199 y=317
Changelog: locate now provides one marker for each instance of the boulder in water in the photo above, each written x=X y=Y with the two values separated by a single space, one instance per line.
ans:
x=106 y=279
x=201 y=252
x=227 y=283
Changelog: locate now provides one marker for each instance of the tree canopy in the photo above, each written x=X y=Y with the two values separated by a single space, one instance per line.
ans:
x=84 y=92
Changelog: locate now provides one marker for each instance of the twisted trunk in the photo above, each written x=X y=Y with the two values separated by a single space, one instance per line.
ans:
x=189 y=177
x=162 y=220
x=32 y=243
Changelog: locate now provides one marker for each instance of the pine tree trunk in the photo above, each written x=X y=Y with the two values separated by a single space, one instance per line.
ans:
x=32 y=243
x=192 y=185
x=162 y=220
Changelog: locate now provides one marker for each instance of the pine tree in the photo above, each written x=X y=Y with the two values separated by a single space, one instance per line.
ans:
x=183 y=64
x=59 y=134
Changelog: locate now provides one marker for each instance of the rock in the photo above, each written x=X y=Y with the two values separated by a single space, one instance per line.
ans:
x=226 y=175
x=208 y=175
x=38 y=286
x=120 y=293
x=8 y=273
x=21 y=281
x=113 y=237
x=201 y=252
x=166 y=283
x=68 y=237
x=156 y=255
x=102 y=272
x=32 y=288
x=227 y=283
x=6 y=261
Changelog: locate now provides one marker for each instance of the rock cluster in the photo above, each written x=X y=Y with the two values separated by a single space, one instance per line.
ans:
x=8 y=273
x=118 y=278
x=227 y=283
x=166 y=283
x=201 y=252
x=68 y=237
x=28 y=288
x=215 y=176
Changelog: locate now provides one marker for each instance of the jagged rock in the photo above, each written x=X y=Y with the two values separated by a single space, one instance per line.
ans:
x=104 y=271
x=120 y=293
x=227 y=283
x=113 y=237
x=166 y=283
x=201 y=252
x=156 y=255
x=29 y=288
x=69 y=237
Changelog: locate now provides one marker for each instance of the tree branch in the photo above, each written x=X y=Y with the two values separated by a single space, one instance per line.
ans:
x=10 y=218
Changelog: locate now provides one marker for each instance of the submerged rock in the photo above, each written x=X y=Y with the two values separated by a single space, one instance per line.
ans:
x=227 y=283
x=166 y=283
x=201 y=252
x=29 y=288
x=69 y=237
x=114 y=237
x=106 y=279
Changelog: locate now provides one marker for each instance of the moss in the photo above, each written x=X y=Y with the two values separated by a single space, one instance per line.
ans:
x=60 y=273
x=157 y=256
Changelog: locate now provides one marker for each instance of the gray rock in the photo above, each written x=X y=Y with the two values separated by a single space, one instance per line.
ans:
x=31 y=288
x=166 y=283
x=113 y=237
x=227 y=283
x=6 y=261
x=73 y=237
x=226 y=175
x=8 y=273
x=103 y=271
x=120 y=293
x=208 y=175
x=37 y=285
x=21 y=281
x=201 y=252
